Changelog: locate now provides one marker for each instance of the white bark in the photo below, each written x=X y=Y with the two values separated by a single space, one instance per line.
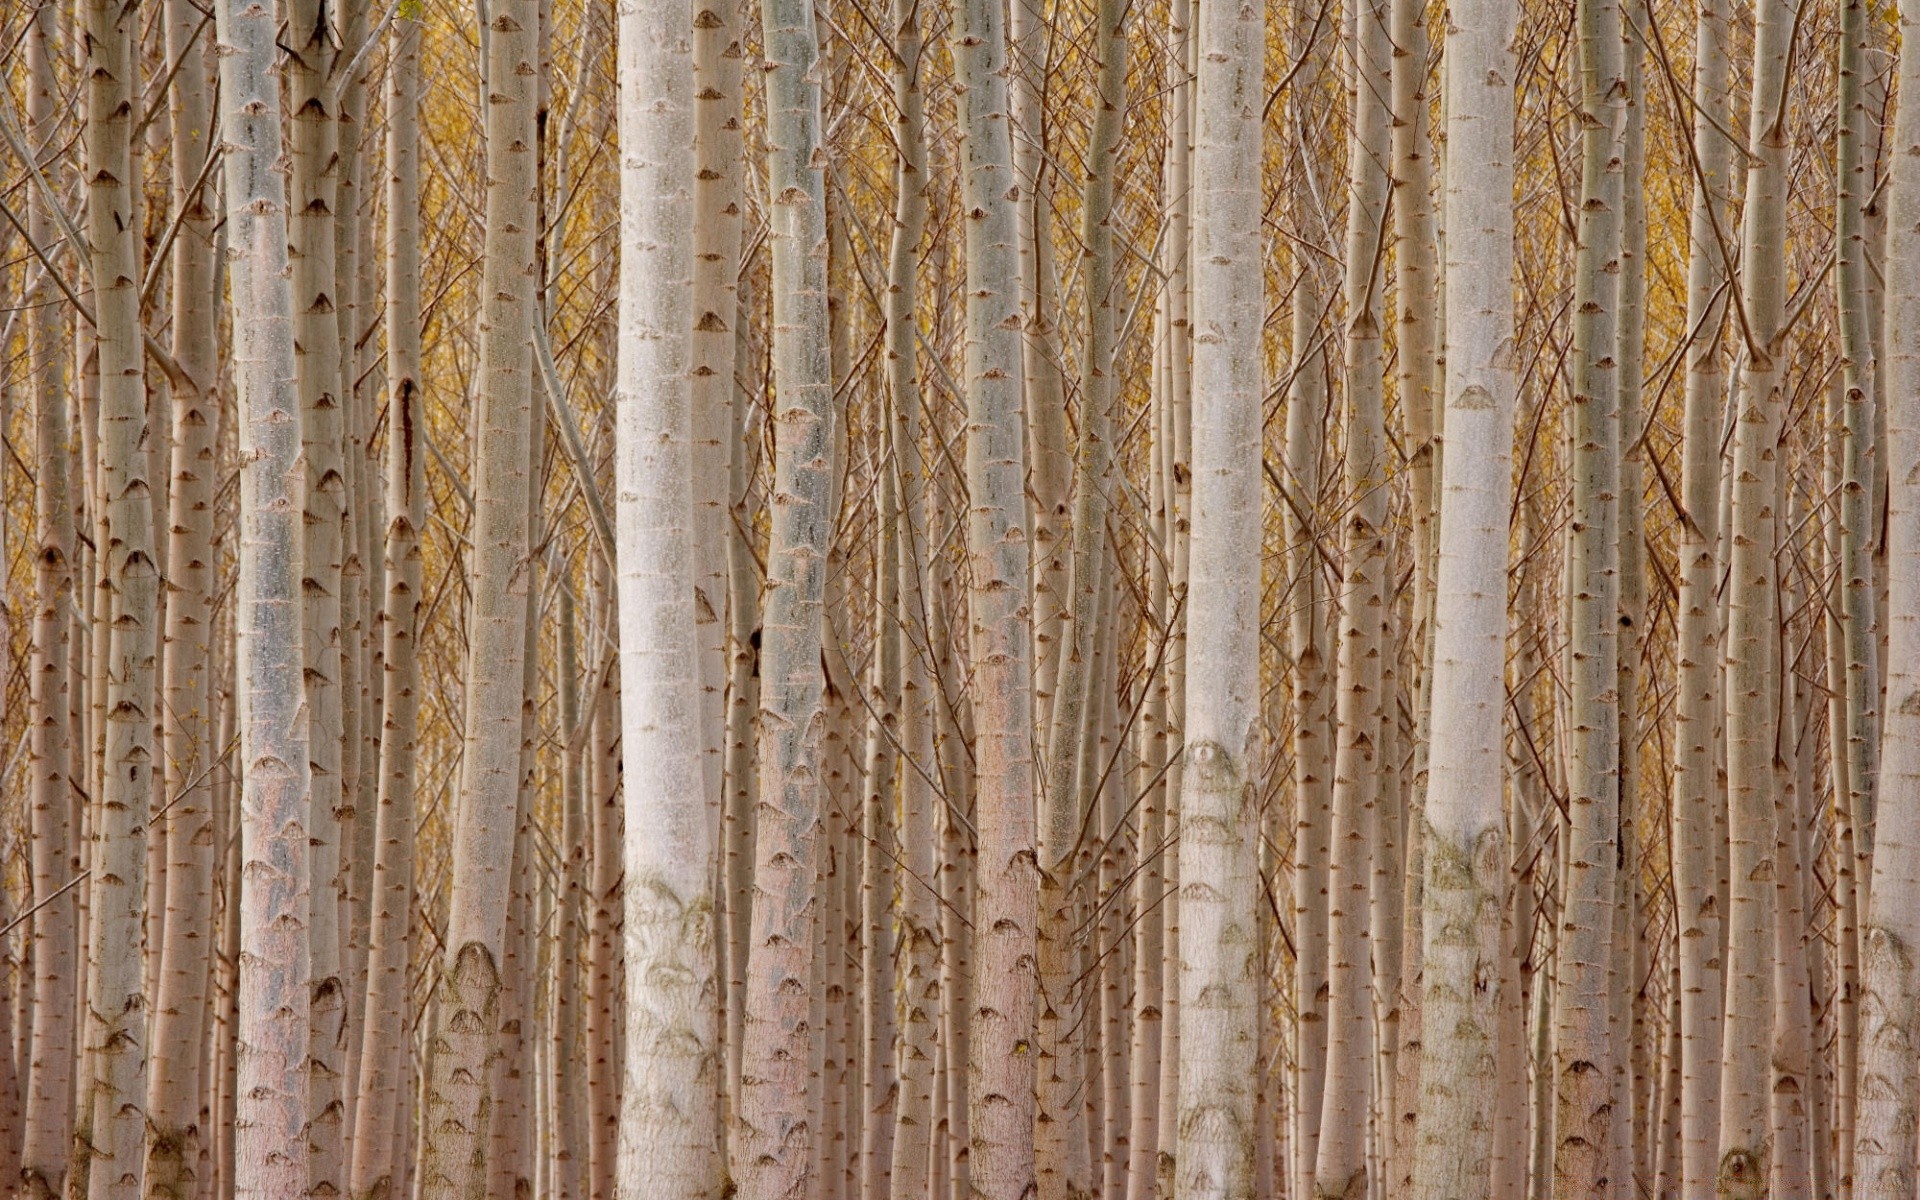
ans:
x=1886 y=1146
x=271 y=1115
x=54 y=834
x=1220 y=953
x=669 y=1124
x=773 y=1145
x=466 y=1041
x=377 y=1168
x=1466 y=858
x=111 y=1112
x=1000 y=1071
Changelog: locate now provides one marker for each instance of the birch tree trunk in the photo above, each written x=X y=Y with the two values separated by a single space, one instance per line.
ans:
x=773 y=1143
x=1698 y=823
x=1062 y=1160
x=54 y=835
x=1220 y=954
x=1886 y=1146
x=1313 y=748
x=918 y=999
x=111 y=1116
x=1340 y=1172
x=1000 y=1075
x=271 y=1086
x=377 y=1168
x=465 y=1038
x=314 y=146
x=1751 y=649
x=189 y=753
x=669 y=1124
x=1584 y=1051
x=1466 y=855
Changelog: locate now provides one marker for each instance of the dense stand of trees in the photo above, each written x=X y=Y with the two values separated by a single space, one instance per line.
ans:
x=971 y=599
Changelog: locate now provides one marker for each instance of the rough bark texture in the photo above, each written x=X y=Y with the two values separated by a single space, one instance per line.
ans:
x=111 y=1110
x=1751 y=649
x=669 y=1123
x=1584 y=1163
x=1466 y=859
x=1220 y=953
x=1342 y=1162
x=271 y=1111
x=773 y=1145
x=1000 y=1072
x=189 y=753
x=1698 y=806
x=1886 y=1147
x=466 y=1033
x=54 y=836
x=380 y=1108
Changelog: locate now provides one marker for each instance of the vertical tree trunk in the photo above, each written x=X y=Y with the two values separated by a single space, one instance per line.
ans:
x=1000 y=1074
x=1751 y=649
x=271 y=1087
x=918 y=1000
x=190 y=754
x=111 y=1110
x=1060 y=1133
x=743 y=700
x=465 y=1039
x=1698 y=826
x=773 y=1141
x=1220 y=956
x=1886 y=1146
x=379 y=1108
x=314 y=145
x=1306 y=438
x=669 y=1124
x=604 y=958
x=1584 y=1048
x=1466 y=856
x=1340 y=1171
x=54 y=836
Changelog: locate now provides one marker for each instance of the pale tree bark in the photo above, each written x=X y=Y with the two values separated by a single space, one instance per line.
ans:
x=1340 y=1170
x=1885 y=1147
x=716 y=352
x=717 y=193
x=1049 y=453
x=773 y=1140
x=271 y=1087
x=879 y=851
x=1584 y=1163
x=1152 y=1071
x=1416 y=378
x=54 y=836
x=1466 y=854
x=1220 y=954
x=1698 y=829
x=565 y=1079
x=1000 y=1075
x=1061 y=1153
x=918 y=1000
x=1306 y=437
x=174 y=1088
x=111 y=1111
x=1853 y=457
x=604 y=956
x=1751 y=649
x=377 y=1168
x=313 y=146
x=743 y=700
x=466 y=1034
x=669 y=1124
